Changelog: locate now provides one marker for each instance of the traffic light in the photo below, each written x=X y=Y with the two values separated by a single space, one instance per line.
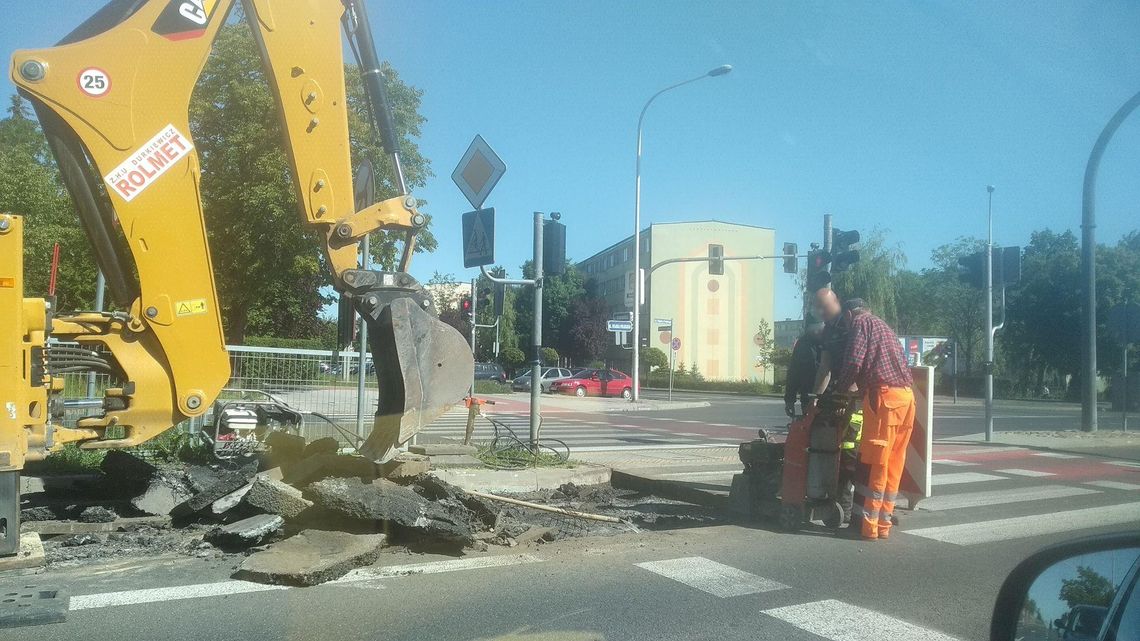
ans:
x=484 y=297
x=465 y=306
x=972 y=269
x=842 y=255
x=790 y=251
x=500 y=295
x=553 y=247
x=817 y=275
x=1007 y=266
x=716 y=260
x=948 y=350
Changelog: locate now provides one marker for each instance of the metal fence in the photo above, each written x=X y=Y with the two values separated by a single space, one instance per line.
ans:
x=315 y=382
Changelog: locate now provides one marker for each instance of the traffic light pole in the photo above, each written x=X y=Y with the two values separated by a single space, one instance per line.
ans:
x=989 y=402
x=536 y=363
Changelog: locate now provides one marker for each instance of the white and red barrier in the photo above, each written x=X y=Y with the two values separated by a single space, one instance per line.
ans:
x=915 y=484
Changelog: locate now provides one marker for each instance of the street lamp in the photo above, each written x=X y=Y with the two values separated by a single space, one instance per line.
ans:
x=718 y=71
x=989 y=401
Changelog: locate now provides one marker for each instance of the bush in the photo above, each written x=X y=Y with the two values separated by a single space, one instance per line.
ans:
x=511 y=358
x=549 y=356
x=491 y=387
x=686 y=381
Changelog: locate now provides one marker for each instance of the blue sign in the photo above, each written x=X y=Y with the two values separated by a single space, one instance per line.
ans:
x=479 y=237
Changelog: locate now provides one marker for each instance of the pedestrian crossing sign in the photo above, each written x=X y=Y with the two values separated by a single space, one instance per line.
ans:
x=479 y=237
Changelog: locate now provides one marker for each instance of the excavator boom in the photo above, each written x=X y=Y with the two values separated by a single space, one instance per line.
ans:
x=113 y=101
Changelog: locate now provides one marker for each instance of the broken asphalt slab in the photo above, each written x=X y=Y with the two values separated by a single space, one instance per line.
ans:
x=209 y=485
x=387 y=502
x=311 y=557
x=275 y=497
x=321 y=466
x=246 y=532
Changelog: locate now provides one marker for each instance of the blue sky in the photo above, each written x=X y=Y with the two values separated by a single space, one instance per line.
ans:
x=888 y=114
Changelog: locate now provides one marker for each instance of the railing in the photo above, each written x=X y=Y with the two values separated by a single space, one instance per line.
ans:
x=311 y=381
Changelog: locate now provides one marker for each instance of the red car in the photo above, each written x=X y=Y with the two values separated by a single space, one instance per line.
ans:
x=595 y=382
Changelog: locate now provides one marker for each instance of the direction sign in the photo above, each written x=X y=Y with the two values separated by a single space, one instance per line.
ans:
x=479 y=237
x=1124 y=322
x=663 y=321
x=478 y=172
x=676 y=343
x=619 y=326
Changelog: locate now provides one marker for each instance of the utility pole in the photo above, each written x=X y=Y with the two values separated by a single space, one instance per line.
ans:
x=990 y=318
x=1088 y=263
x=474 y=283
x=536 y=365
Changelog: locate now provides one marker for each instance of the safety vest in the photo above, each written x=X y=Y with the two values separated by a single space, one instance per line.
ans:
x=854 y=432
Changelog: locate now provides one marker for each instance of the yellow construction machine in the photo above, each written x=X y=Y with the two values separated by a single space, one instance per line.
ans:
x=112 y=98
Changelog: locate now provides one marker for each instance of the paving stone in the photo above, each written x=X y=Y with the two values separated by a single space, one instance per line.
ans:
x=311 y=557
x=29 y=555
x=405 y=465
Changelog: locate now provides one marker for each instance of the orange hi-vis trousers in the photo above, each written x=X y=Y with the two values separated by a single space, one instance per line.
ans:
x=888 y=419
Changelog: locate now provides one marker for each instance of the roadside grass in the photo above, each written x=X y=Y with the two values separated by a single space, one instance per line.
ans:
x=521 y=457
x=491 y=387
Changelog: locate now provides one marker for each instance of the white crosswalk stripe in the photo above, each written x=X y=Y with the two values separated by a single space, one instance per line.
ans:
x=975 y=532
x=1000 y=497
x=1056 y=455
x=1020 y=472
x=952 y=462
x=1114 y=485
x=958 y=478
x=709 y=576
x=840 y=621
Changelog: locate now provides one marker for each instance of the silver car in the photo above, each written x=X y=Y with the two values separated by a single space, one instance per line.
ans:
x=522 y=383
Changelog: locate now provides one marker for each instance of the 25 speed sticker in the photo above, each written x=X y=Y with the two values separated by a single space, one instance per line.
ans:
x=94 y=82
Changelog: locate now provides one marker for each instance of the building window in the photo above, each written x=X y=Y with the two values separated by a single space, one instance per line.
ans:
x=716 y=266
x=626 y=254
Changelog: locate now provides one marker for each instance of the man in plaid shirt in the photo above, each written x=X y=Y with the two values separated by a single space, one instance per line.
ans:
x=873 y=361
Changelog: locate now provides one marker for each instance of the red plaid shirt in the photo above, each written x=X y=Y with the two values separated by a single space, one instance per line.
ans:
x=873 y=357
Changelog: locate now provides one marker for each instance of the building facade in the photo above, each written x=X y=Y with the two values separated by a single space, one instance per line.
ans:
x=716 y=316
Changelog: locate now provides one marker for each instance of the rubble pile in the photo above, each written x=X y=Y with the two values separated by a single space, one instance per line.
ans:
x=304 y=513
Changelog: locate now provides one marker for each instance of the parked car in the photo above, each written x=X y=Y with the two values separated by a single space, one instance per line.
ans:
x=595 y=382
x=490 y=372
x=549 y=375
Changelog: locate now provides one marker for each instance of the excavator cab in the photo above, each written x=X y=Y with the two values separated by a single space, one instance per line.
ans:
x=112 y=98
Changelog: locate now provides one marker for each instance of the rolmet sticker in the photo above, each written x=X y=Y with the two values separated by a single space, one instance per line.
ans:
x=144 y=166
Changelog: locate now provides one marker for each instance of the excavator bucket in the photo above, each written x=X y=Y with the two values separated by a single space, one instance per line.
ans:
x=423 y=367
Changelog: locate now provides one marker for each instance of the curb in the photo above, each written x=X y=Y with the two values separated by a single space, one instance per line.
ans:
x=669 y=489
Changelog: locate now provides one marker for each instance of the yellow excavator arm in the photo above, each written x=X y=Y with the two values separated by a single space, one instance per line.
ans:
x=113 y=100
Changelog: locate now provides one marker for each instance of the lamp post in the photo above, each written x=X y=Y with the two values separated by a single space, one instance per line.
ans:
x=989 y=401
x=719 y=71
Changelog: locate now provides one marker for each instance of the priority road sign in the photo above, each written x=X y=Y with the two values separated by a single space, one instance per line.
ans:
x=478 y=172
x=619 y=326
x=479 y=237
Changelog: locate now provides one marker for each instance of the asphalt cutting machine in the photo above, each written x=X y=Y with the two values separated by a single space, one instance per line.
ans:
x=795 y=480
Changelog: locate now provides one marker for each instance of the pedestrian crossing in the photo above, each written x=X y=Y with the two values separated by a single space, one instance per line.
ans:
x=830 y=619
x=1017 y=493
x=592 y=431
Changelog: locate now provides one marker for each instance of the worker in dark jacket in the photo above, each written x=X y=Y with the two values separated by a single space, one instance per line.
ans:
x=801 y=370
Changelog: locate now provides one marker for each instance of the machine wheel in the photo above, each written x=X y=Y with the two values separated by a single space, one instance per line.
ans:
x=627 y=394
x=834 y=517
x=791 y=517
x=580 y=392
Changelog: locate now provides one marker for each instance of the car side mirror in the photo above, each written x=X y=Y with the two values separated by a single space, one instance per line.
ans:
x=1086 y=589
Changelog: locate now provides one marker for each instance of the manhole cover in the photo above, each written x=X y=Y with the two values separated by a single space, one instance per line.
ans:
x=25 y=604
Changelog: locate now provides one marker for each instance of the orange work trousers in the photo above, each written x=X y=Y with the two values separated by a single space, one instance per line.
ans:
x=888 y=419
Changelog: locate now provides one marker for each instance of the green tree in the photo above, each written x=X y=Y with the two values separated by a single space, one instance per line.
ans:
x=267 y=265
x=508 y=336
x=653 y=357
x=959 y=308
x=1088 y=588
x=873 y=277
x=766 y=346
x=586 y=333
x=558 y=294
x=30 y=187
